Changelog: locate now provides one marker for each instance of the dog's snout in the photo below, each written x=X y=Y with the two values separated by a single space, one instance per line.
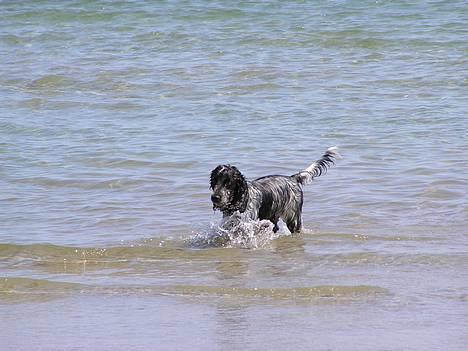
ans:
x=215 y=198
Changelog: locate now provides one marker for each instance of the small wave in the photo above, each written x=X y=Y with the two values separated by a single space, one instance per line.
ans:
x=19 y=289
x=236 y=231
x=250 y=88
x=30 y=284
x=87 y=183
x=149 y=250
x=369 y=237
x=116 y=162
x=70 y=254
x=305 y=292
x=50 y=83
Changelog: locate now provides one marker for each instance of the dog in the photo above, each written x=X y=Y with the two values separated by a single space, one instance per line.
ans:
x=271 y=197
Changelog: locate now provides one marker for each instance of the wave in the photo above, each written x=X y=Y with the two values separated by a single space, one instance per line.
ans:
x=48 y=252
x=232 y=234
x=86 y=183
x=22 y=287
x=206 y=245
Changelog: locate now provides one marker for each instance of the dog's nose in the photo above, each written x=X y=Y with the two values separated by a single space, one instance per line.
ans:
x=215 y=198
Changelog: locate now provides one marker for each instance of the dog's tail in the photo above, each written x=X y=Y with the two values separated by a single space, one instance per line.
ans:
x=319 y=167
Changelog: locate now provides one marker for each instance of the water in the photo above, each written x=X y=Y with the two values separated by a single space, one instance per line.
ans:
x=113 y=114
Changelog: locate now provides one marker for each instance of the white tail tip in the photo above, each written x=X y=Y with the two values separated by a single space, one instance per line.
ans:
x=334 y=150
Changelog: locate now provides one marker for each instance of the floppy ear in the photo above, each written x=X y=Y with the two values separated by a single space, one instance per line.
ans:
x=239 y=196
x=214 y=176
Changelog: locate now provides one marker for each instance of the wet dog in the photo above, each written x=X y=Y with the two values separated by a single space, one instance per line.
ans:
x=272 y=197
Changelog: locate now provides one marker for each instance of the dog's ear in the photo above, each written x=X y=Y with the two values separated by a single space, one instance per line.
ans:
x=240 y=190
x=214 y=176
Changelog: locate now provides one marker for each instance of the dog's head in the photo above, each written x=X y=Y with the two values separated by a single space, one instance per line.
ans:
x=229 y=189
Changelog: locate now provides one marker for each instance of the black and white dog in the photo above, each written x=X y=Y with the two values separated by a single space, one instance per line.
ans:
x=271 y=197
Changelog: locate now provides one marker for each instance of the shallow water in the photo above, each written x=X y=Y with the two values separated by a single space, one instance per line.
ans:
x=113 y=114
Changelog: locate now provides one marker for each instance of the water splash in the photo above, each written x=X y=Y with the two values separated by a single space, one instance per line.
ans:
x=236 y=231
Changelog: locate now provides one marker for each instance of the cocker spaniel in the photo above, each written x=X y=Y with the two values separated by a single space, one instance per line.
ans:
x=271 y=197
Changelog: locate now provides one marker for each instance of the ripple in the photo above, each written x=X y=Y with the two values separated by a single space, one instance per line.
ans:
x=308 y=292
x=50 y=83
x=19 y=289
x=81 y=183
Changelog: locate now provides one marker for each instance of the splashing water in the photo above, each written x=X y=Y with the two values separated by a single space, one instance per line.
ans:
x=236 y=231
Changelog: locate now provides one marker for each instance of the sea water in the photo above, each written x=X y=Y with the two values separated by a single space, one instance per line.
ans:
x=113 y=114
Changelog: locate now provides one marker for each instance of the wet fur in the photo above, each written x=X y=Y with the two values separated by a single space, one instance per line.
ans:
x=272 y=197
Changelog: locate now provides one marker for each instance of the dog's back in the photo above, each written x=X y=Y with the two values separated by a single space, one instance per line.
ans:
x=273 y=197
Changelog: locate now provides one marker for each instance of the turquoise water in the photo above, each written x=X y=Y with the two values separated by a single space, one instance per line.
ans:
x=112 y=115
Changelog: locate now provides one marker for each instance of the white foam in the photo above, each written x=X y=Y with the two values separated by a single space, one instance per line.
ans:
x=236 y=231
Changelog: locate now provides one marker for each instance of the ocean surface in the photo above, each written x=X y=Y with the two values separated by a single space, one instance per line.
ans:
x=114 y=113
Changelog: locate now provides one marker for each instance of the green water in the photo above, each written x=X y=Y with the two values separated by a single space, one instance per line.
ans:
x=113 y=114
